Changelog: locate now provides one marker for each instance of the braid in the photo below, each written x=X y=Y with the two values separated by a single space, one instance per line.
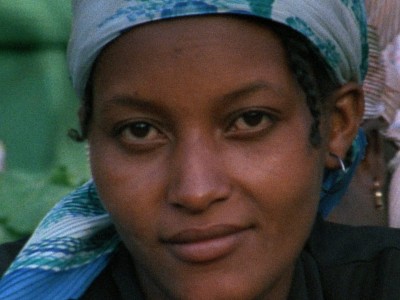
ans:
x=304 y=76
x=311 y=71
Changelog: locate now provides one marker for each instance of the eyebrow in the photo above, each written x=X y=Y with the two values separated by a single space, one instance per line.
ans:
x=132 y=102
x=246 y=91
x=147 y=105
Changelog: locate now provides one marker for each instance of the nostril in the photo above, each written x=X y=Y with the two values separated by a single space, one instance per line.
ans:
x=198 y=196
x=196 y=203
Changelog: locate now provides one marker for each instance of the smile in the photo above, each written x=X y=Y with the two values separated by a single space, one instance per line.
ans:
x=206 y=245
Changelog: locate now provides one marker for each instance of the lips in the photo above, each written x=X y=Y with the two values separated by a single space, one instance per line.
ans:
x=205 y=245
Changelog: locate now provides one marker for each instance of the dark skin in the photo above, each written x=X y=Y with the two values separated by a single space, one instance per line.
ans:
x=195 y=122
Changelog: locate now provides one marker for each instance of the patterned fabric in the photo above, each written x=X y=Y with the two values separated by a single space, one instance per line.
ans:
x=74 y=242
x=391 y=98
x=374 y=82
x=337 y=28
x=67 y=251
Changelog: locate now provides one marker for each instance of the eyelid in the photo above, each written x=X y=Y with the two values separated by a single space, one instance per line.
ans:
x=271 y=115
x=138 y=144
x=121 y=125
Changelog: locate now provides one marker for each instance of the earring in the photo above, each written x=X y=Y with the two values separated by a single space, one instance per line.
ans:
x=341 y=163
x=378 y=194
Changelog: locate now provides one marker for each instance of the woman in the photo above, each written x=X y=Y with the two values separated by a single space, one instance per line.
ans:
x=218 y=132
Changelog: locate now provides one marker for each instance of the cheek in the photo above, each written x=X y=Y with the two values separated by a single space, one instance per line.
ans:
x=284 y=181
x=289 y=168
x=130 y=194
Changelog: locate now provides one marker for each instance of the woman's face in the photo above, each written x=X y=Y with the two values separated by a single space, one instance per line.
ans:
x=199 y=147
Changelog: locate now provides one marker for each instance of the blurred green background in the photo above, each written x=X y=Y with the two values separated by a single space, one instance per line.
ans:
x=37 y=107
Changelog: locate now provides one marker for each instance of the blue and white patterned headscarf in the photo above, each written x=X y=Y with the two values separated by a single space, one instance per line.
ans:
x=73 y=243
x=336 y=27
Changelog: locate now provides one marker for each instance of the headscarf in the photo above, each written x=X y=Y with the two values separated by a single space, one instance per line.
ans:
x=75 y=240
x=336 y=27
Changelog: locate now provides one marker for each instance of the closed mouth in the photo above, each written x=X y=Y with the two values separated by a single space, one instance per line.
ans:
x=205 y=245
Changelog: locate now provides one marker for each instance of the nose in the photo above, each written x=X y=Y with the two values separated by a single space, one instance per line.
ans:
x=199 y=178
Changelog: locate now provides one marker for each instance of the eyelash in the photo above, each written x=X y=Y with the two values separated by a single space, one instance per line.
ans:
x=263 y=121
x=138 y=139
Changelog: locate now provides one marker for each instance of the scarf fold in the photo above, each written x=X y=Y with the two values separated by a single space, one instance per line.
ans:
x=66 y=252
x=73 y=243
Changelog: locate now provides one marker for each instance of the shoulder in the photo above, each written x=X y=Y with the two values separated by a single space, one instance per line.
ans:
x=357 y=262
x=346 y=244
x=8 y=252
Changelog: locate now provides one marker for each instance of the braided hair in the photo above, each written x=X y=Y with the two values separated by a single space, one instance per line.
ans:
x=312 y=72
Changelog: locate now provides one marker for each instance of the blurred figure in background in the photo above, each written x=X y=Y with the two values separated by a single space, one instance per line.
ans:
x=374 y=195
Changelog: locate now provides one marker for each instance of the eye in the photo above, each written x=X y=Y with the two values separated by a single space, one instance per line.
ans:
x=139 y=132
x=252 y=121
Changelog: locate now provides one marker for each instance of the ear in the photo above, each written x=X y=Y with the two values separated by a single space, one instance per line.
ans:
x=345 y=118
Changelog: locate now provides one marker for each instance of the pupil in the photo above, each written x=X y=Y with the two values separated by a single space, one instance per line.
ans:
x=252 y=118
x=140 y=130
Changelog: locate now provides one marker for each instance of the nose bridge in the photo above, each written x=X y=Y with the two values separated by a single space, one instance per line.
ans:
x=199 y=177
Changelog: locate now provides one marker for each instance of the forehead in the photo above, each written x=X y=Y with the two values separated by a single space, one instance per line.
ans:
x=218 y=53
x=220 y=34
